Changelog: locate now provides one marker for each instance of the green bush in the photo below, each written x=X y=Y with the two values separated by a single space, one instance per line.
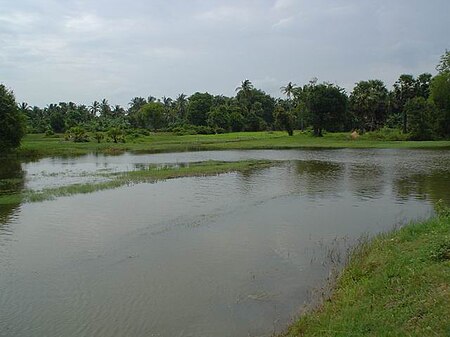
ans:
x=386 y=134
x=49 y=132
x=77 y=134
x=99 y=136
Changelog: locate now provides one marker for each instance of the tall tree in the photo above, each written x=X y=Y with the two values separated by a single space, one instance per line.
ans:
x=181 y=106
x=94 y=108
x=284 y=119
x=12 y=123
x=288 y=90
x=246 y=86
x=405 y=88
x=369 y=103
x=151 y=115
x=423 y=82
x=444 y=63
x=327 y=104
x=420 y=118
x=105 y=108
x=244 y=94
x=440 y=96
x=199 y=106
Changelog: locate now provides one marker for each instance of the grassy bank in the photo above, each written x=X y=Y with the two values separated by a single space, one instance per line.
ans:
x=153 y=173
x=40 y=146
x=395 y=285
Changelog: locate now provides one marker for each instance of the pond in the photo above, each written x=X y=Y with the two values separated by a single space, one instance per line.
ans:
x=236 y=254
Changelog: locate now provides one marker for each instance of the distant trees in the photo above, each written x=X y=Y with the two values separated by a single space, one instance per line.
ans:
x=285 y=119
x=421 y=118
x=12 y=124
x=419 y=106
x=326 y=105
x=198 y=107
x=369 y=104
x=151 y=116
x=406 y=88
x=440 y=96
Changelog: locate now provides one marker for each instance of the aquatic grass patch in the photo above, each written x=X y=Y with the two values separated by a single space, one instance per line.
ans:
x=397 y=284
x=151 y=174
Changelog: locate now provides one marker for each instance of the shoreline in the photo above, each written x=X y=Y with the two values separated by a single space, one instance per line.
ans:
x=397 y=283
x=39 y=146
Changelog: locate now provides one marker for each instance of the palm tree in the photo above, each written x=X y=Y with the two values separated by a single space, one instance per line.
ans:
x=135 y=104
x=288 y=90
x=180 y=104
x=245 y=91
x=105 y=109
x=94 y=108
x=246 y=86
x=24 y=107
x=118 y=110
x=167 y=101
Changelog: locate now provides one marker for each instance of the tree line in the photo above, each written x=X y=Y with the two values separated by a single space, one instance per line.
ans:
x=418 y=106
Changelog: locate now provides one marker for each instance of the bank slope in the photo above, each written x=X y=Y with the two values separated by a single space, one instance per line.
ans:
x=396 y=285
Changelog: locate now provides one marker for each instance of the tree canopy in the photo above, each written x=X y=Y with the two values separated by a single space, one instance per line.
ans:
x=12 y=126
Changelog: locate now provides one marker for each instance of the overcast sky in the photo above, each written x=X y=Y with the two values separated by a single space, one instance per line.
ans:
x=80 y=51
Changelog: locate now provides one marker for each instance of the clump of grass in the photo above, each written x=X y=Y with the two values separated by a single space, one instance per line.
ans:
x=386 y=134
x=151 y=174
x=397 y=284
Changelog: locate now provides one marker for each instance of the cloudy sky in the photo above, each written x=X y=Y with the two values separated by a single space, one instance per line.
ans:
x=80 y=50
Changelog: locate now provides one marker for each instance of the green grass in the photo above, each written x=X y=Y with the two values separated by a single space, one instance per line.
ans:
x=397 y=284
x=39 y=145
x=151 y=174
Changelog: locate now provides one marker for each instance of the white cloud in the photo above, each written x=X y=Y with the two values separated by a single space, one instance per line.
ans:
x=284 y=22
x=18 y=20
x=284 y=4
x=84 y=23
x=225 y=13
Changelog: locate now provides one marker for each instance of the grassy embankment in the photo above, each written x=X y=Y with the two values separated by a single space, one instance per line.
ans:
x=41 y=146
x=152 y=174
x=397 y=284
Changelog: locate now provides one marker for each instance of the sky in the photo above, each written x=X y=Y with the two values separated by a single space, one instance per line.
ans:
x=86 y=50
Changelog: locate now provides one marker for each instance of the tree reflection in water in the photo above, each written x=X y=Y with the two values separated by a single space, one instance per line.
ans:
x=12 y=182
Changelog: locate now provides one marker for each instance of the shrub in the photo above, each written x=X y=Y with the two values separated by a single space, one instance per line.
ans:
x=77 y=134
x=386 y=134
x=99 y=136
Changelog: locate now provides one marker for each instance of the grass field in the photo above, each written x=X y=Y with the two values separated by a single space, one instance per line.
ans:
x=41 y=146
x=395 y=285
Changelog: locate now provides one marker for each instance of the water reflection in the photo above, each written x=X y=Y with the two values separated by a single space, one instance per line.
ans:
x=433 y=186
x=12 y=182
x=367 y=181
x=320 y=178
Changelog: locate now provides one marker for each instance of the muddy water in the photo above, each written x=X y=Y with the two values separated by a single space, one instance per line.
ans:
x=229 y=255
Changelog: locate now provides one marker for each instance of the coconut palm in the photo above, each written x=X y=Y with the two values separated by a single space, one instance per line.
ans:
x=288 y=90
x=180 y=104
x=94 y=108
x=246 y=86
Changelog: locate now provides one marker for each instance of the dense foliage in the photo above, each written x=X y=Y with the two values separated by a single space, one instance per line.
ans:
x=11 y=121
x=320 y=107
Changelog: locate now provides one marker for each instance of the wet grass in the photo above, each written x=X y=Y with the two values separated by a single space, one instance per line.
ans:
x=397 y=284
x=41 y=146
x=151 y=174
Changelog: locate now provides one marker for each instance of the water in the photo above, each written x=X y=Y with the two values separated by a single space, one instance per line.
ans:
x=228 y=255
